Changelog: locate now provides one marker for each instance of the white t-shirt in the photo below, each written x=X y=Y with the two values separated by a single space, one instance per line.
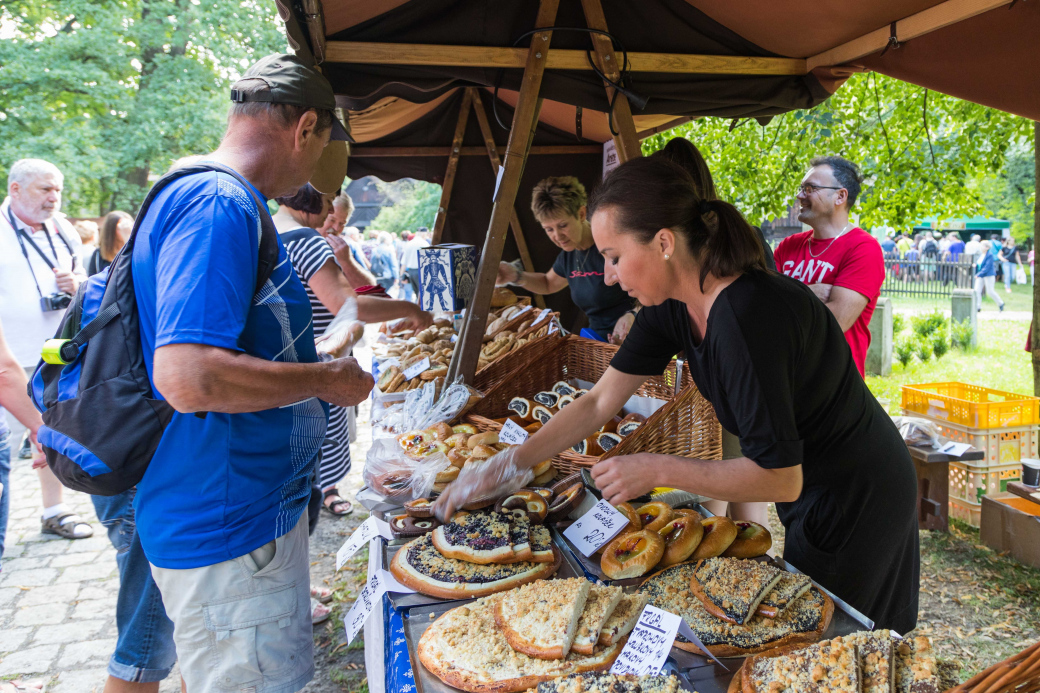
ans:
x=26 y=325
x=410 y=256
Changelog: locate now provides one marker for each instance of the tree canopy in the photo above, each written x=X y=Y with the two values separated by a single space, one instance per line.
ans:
x=112 y=91
x=921 y=153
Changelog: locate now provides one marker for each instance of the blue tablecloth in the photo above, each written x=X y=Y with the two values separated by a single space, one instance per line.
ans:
x=398 y=665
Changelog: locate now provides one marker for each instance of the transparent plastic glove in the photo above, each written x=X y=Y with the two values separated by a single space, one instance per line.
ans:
x=498 y=476
x=343 y=332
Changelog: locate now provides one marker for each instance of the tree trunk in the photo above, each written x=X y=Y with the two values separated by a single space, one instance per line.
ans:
x=1035 y=341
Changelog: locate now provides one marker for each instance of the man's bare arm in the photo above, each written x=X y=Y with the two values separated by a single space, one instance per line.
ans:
x=846 y=304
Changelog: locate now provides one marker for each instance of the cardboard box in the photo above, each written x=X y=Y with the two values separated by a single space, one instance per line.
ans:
x=1012 y=524
x=447 y=276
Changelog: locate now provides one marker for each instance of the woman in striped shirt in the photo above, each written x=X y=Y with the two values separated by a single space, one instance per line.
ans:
x=328 y=289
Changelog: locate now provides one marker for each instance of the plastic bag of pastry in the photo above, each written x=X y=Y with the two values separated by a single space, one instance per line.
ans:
x=431 y=475
x=388 y=470
x=496 y=477
x=456 y=399
x=917 y=431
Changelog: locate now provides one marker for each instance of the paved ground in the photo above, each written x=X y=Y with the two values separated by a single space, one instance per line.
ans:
x=57 y=597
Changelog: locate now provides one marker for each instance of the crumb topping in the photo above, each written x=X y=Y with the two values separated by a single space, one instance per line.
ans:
x=424 y=558
x=736 y=586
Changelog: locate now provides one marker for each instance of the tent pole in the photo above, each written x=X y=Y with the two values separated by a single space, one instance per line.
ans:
x=626 y=141
x=525 y=120
x=1035 y=346
x=496 y=163
x=453 y=165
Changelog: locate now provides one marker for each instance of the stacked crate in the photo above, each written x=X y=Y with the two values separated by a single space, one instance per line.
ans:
x=1001 y=424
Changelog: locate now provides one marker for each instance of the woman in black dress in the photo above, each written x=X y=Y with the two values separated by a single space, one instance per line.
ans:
x=774 y=363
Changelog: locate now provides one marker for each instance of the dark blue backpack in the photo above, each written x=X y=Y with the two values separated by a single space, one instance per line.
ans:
x=102 y=421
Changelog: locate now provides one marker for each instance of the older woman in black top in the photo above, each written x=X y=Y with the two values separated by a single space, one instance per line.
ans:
x=559 y=206
x=774 y=363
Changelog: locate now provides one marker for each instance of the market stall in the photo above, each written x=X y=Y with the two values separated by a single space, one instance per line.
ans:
x=547 y=93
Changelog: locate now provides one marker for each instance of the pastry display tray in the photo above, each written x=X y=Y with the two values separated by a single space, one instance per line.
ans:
x=697 y=672
x=590 y=565
x=403 y=602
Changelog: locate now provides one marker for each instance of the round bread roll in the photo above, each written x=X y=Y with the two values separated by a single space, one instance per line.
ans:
x=655 y=515
x=752 y=540
x=449 y=474
x=632 y=555
x=686 y=512
x=681 y=537
x=545 y=478
x=440 y=431
x=457 y=440
x=486 y=438
x=542 y=467
x=482 y=452
x=719 y=533
x=459 y=455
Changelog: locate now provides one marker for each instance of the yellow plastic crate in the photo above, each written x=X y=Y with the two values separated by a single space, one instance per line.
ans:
x=970 y=483
x=966 y=512
x=971 y=405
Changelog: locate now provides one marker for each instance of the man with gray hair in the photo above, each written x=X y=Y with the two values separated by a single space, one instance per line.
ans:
x=39 y=273
x=221 y=512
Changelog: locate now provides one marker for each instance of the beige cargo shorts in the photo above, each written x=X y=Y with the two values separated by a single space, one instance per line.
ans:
x=245 y=624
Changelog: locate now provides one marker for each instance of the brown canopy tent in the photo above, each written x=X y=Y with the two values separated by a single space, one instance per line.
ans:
x=408 y=73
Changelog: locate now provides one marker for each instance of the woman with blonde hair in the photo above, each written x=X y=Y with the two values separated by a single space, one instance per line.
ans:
x=558 y=204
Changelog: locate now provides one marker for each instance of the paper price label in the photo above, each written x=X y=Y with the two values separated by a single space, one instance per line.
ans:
x=512 y=434
x=370 y=529
x=595 y=528
x=416 y=368
x=392 y=585
x=648 y=643
x=366 y=601
x=454 y=338
x=541 y=316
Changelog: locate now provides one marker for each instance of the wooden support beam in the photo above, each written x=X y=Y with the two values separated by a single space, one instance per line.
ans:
x=496 y=163
x=625 y=140
x=453 y=165
x=367 y=53
x=525 y=119
x=314 y=21
x=925 y=21
x=362 y=151
x=643 y=134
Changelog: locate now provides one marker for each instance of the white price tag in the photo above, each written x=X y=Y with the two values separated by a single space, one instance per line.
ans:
x=541 y=316
x=392 y=585
x=416 y=368
x=595 y=528
x=370 y=529
x=511 y=434
x=366 y=601
x=454 y=338
x=955 y=449
x=648 y=644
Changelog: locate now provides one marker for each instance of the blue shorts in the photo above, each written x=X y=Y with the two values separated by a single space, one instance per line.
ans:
x=144 y=649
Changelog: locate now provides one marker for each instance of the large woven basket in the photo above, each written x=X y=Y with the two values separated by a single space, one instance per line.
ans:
x=1019 y=673
x=492 y=374
x=686 y=425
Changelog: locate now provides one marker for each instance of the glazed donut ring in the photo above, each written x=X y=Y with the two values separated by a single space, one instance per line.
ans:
x=719 y=533
x=655 y=515
x=634 y=523
x=632 y=555
x=681 y=537
x=752 y=540
x=404 y=526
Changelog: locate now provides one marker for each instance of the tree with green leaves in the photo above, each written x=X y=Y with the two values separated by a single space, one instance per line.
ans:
x=920 y=152
x=415 y=205
x=114 y=91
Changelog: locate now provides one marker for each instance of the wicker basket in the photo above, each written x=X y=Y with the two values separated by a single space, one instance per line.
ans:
x=685 y=425
x=492 y=374
x=1019 y=673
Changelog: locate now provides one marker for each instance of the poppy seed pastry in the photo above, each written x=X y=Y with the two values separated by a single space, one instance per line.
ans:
x=731 y=588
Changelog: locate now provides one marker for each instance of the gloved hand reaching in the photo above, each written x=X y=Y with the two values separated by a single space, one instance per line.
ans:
x=500 y=475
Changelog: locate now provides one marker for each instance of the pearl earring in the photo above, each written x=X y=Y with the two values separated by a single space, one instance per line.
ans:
x=667 y=256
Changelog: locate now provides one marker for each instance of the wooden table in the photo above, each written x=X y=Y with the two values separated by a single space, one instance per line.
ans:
x=933 y=484
x=1030 y=493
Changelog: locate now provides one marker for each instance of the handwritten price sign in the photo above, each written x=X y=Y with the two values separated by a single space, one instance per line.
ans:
x=367 y=599
x=595 y=528
x=648 y=644
x=371 y=528
x=511 y=434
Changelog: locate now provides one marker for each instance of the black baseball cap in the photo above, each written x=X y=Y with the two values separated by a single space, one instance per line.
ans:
x=292 y=81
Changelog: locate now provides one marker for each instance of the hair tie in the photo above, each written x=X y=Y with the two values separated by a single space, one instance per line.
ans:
x=704 y=207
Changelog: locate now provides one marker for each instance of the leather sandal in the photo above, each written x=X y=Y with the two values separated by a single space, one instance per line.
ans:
x=67 y=525
x=335 y=507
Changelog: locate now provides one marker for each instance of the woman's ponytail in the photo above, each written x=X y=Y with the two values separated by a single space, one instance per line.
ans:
x=652 y=193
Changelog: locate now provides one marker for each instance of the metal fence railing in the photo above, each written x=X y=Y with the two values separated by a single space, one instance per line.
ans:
x=926 y=277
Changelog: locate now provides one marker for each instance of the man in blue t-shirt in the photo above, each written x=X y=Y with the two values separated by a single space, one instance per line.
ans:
x=221 y=510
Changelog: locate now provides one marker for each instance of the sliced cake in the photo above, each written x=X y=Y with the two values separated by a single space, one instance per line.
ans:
x=610 y=683
x=623 y=619
x=540 y=619
x=790 y=587
x=732 y=588
x=598 y=607
x=541 y=545
x=875 y=650
x=831 y=666
x=916 y=668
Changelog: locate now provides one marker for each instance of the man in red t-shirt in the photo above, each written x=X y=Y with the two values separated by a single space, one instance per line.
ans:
x=841 y=263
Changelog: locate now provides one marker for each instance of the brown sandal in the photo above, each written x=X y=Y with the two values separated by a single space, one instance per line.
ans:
x=67 y=525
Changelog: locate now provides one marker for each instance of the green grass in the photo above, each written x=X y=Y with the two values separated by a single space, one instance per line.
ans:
x=1000 y=362
x=1020 y=299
